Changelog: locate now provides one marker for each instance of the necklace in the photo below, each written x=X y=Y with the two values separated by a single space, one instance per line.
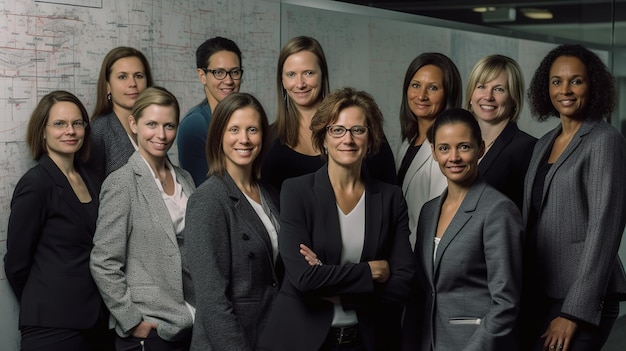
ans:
x=491 y=143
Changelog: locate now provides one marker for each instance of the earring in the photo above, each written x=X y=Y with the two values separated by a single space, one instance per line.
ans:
x=109 y=96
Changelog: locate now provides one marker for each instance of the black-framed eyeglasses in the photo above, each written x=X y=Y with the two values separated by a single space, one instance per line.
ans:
x=338 y=131
x=62 y=125
x=220 y=74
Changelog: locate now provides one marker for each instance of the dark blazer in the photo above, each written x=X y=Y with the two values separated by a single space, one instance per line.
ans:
x=49 y=239
x=231 y=260
x=473 y=284
x=109 y=146
x=504 y=165
x=582 y=219
x=301 y=318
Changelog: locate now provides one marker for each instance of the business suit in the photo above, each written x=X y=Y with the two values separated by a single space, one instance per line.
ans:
x=581 y=221
x=472 y=286
x=504 y=165
x=49 y=239
x=136 y=260
x=301 y=318
x=230 y=256
x=109 y=147
x=423 y=181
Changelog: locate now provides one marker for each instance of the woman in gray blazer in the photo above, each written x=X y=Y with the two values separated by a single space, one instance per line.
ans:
x=136 y=260
x=468 y=251
x=231 y=241
x=574 y=201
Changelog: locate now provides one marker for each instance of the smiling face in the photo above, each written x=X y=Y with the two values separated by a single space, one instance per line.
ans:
x=242 y=139
x=126 y=81
x=491 y=101
x=425 y=93
x=156 y=131
x=569 y=88
x=457 y=153
x=302 y=79
x=348 y=150
x=63 y=142
x=216 y=90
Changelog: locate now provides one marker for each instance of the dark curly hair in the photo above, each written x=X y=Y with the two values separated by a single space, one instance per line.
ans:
x=601 y=84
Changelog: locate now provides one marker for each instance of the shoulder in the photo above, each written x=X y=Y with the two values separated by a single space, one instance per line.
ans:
x=36 y=178
x=213 y=187
x=197 y=115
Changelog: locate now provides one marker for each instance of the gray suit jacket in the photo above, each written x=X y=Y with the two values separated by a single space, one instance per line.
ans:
x=231 y=261
x=474 y=284
x=109 y=146
x=136 y=261
x=582 y=219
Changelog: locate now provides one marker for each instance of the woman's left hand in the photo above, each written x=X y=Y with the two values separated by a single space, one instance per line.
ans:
x=309 y=256
x=559 y=334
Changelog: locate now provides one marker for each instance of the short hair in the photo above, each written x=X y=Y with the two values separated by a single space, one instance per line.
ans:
x=212 y=46
x=39 y=119
x=456 y=116
x=155 y=95
x=601 y=84
x=487 y=69
x=339 y=100
x=451 y=87
x=219 y=121
x=288 y=119
x=103 y=105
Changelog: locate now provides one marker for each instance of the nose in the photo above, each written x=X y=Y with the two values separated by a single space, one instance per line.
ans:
x=133 y=81
x=70 y=129
x=244 y=138
x=455 y=155
x=228 y=79
x=300 y=82
x=422 y=94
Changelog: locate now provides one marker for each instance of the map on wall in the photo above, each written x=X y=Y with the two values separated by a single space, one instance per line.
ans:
x=60 y=44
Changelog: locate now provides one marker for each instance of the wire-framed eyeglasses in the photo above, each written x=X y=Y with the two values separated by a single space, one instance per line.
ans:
x=338 y=131
x=220 y=74
x=62 y=125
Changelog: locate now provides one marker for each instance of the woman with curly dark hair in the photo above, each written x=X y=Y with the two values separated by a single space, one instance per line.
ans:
x=574 y=191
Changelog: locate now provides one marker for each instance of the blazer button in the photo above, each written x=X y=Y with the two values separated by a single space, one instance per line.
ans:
x=245 y=237
x=251 y=255
x=274 y=284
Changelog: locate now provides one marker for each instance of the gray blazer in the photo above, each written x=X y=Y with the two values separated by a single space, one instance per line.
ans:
x=230 y=257
x=136 y=261
x=581 y=220
x=109 y=146
x=472 y=288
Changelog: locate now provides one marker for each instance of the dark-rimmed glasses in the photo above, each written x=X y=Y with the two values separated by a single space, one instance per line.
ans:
x=338 y=131
x=220 y=74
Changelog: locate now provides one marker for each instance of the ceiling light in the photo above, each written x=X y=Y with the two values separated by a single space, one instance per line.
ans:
x=537 y=14
x=500 y=14
x=483 y=9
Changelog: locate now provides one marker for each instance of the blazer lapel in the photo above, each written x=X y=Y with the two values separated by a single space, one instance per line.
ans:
x=500 y=143
x=426 y=238
x=418 y=163
x=326 y=204
x=373 y=220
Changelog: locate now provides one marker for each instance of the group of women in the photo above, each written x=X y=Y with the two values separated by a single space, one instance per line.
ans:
x=307 y=234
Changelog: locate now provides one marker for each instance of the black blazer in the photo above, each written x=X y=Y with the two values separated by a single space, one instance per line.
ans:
x=504 y=165
x=300 y=318
x=49 y=239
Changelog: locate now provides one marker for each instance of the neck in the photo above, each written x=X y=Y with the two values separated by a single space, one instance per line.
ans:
x=64 y=162
x=344 y=178
x=157 y=164
x=122 y=115
x=570 y=125
x=242 y=176
x=422 y=125
x=491 y=131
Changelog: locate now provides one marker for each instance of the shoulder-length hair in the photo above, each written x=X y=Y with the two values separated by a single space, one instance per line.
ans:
x=288 y=118
x=339 y=100
x=601 y=84
x=103 y=105
x=219 y=121
x=487 y=69
x=451 y=87
x=36 y=128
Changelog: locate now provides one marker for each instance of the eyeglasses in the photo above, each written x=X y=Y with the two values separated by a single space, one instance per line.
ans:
x=220 y=74
x=337 y=131
x=62 y=125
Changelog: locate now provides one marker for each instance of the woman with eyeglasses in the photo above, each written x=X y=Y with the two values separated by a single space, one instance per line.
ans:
x=49 y=236
x=302 y=82
x=343 y=240
x=124 y=74
x=218 y=62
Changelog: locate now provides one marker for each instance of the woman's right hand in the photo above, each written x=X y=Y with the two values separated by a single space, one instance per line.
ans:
x=142 y=329
x=380 y=270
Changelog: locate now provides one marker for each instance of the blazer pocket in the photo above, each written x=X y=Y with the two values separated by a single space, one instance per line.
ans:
x=465 y=321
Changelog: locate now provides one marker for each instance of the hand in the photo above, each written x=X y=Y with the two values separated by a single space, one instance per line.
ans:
x=309 y=256
x=142 y=329
x=559 y=334
x=380 y=270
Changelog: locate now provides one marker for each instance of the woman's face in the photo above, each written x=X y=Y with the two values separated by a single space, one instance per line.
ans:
x=569 y=87
x=425 y=93
x=302 y=79
x=156 y=131
x=216 y=90
x=126 y=81
x=457 y=153
x=491 y=101
x=242 y=139
x=64 y=133
x=349 y=149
